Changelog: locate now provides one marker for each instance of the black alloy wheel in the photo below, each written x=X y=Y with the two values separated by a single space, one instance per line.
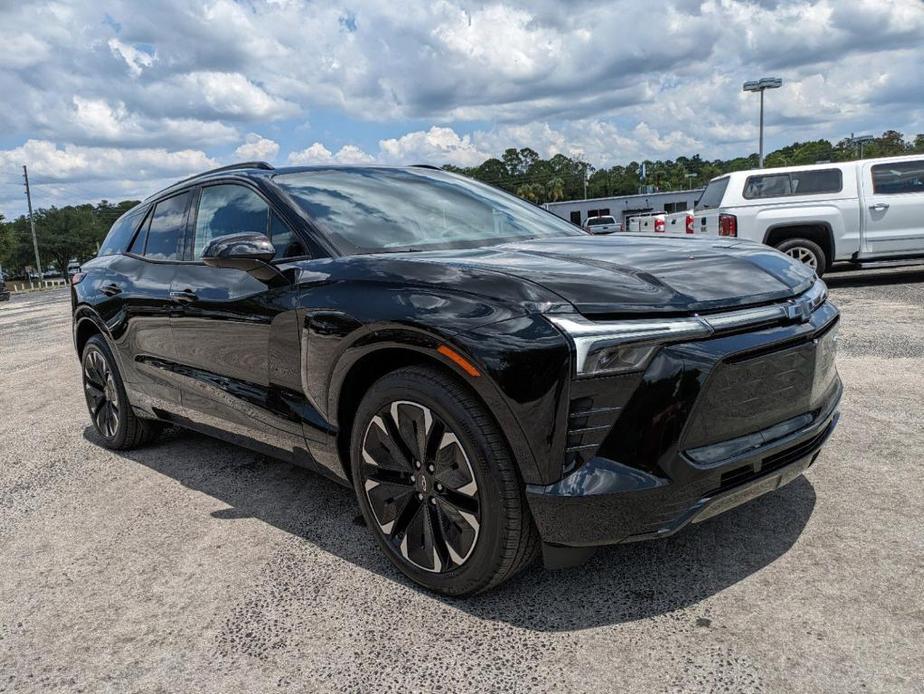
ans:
x=420 y=486
x=102 y=395
x=437 y=484
x=111 y=413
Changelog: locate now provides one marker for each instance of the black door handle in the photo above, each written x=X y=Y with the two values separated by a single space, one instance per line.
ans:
x=111 y=289
x=186 y=296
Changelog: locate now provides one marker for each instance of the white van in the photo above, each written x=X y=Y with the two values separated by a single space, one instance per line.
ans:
x=863 y=212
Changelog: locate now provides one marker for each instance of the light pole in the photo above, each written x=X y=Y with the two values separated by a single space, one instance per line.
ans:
x=761 y=85
x=859 y=141
x=689 y=177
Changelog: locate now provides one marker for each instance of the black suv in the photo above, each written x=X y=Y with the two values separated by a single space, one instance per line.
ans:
x=4 y=294
x=491 y=380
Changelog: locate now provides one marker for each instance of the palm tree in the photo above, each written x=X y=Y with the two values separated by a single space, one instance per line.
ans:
x=555 y=189
x=531 y=191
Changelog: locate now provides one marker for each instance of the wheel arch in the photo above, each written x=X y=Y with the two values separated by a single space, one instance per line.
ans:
x=364 y=367
x=87 y=324
x=819 y=231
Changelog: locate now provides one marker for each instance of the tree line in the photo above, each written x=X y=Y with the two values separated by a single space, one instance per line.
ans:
x=63 y=233
x=76 y=231
x=524 y=173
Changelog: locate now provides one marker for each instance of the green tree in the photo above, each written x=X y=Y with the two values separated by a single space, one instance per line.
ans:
x=65 y=233
x=534 y=192
x=555 y=189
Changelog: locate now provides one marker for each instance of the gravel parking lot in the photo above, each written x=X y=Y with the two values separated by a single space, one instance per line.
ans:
x=193 y=565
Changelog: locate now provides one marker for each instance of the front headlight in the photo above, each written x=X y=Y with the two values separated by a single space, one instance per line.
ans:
x=623 y=346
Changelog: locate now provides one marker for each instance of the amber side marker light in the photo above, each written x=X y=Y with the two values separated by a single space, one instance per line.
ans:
x=463 y=363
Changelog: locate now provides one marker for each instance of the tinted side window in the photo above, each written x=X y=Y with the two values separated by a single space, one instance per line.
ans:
x=228 y=209
x=168 y=225
x=812 y=182
x=285 y=241
x=899 y=177
x=120 y=234
x=137 y=247
x=796 y=183
x=771 y=186
x=712 y=196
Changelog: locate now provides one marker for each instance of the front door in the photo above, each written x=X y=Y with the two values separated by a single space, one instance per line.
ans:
x=893 y=208
x=227 y=324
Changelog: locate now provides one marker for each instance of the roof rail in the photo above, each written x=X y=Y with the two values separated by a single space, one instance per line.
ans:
x=426 y=166
x=230 y=167
x=242 y=165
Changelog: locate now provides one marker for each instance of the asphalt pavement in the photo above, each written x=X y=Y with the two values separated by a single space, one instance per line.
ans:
x=195 y=566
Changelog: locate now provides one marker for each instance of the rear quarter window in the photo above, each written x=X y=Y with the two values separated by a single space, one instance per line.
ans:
x=167 y=228
x=120 y=234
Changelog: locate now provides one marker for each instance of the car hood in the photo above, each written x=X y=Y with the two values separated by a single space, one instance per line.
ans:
x=641 y=274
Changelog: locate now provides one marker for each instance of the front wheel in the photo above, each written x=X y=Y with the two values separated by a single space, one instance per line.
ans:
x=805 y=251
x=437 y=485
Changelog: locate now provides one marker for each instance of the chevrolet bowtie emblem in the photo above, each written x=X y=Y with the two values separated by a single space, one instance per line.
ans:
x=800 y=311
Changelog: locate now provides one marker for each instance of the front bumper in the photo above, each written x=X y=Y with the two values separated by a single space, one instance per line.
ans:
x=670 y=456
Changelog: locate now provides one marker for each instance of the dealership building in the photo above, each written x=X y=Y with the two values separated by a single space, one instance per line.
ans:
x=623 y=206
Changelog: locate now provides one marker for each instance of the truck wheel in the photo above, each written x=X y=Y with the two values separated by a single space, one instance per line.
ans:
x=805 y=251
x=437 y=484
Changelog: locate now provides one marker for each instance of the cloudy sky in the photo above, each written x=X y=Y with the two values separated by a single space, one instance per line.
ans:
x=111 y=98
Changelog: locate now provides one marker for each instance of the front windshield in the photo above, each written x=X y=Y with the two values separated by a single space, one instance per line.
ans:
x=379 y=210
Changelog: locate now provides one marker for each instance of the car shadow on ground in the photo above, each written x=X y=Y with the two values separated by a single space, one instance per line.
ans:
x=619 y=584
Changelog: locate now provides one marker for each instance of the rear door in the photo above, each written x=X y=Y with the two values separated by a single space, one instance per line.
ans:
x=893 y=208
x=139 y=282
x=227 y=324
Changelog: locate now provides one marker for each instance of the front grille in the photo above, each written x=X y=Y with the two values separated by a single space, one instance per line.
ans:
x=746 y=395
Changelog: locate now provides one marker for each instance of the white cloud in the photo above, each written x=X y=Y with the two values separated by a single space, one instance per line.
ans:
x=461 y=80
x=319 y=154
x=48 y=161
x=315 y=154
x=137 y=60
x=22 y=50
x=436 y=145
x=257 y=148
x=65 y=174
x=232 y=94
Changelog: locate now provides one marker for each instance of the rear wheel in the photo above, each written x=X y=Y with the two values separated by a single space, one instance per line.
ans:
x=437 y=485
x=110 y=411
x=805 y=251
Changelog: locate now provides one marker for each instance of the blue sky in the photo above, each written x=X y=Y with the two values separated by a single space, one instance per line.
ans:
x=112 y=99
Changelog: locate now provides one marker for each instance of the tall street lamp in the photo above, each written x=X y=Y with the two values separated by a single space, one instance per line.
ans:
x=761 y=85
x=859 y=141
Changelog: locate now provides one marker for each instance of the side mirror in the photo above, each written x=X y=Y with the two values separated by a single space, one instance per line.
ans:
x=248 y=251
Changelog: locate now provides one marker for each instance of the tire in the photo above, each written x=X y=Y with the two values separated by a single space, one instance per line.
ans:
x=470 y=501
x=110 y=412
x=805 y=251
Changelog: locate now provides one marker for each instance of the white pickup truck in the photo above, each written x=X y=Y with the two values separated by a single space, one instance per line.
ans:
x=662 y=223
x=864 y=212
